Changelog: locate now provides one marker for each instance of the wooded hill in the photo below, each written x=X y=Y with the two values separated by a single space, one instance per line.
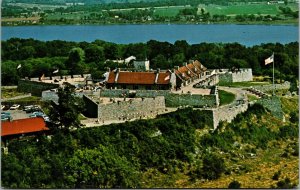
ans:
x=173 y=150
x=39 y=57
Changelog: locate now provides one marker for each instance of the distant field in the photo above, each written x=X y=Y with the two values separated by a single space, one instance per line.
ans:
x=73 y=16
x=168 y=11
x=245 y=9
x=20 y=19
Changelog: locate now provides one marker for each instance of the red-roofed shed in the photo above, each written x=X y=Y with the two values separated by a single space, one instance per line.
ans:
x=23 y=126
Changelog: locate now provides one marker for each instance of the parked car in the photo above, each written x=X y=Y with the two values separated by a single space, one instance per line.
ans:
x=34 y=109
x=14 y=107
x=6 y=107
x=5 y=113
x=5 y=117
x=38 y=113
x=32 y=115
x=27 y=107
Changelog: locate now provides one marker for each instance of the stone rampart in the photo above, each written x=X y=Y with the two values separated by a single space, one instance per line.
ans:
x=49 y=96
x=91 y=107
x=242 y=75
x=273 y=103
x=225 y=78
x=35 y=88
x=172 y=100
x=227 y=113
x=265 y=88
x=133 y=108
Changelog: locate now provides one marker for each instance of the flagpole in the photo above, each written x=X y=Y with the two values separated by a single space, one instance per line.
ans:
x=273 y=76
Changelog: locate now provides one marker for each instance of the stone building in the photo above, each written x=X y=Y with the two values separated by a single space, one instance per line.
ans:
x=157 y=80
x=188 y=73
x=141 y=65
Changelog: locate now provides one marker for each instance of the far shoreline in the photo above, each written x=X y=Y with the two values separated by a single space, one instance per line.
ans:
x=160 y=23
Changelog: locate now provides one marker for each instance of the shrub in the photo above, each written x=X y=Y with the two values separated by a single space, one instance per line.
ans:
x=234 y=185
x=284 y=184
x=213 y=166
x=276 y=175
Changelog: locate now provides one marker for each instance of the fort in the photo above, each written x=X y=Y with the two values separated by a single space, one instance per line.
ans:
x=127 y=95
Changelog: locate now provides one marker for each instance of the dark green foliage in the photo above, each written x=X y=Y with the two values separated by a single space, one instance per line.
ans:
x=294 y=117
x=213 y=166
x=276 y=175
x=285 y=184
x=65 y=114
x=116 y=155
x=108 y=156
x=288 y=131
x=234 y=185
x=44 y=57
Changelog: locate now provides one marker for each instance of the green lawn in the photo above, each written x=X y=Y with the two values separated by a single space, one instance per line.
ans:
x=26 y=99
x=10 y=93
x=243 y=84
x=251 y=97
x=225 y=97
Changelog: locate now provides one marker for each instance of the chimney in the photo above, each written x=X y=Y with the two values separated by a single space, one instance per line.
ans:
x=156 y=76
x=185 y=63
x=108 y=69
x=117 y=75
x=176 y=67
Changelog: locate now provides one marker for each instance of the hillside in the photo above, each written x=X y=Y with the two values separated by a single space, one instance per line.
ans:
x=172 y=151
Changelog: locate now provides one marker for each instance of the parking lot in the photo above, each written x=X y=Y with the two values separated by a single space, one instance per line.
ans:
x=19 y=113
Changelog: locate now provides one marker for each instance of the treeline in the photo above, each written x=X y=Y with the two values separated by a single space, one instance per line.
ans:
x=134 y=154
x=37 y=57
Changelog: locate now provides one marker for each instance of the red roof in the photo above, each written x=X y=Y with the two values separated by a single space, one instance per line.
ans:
x=22 y=126
x=190 y=70
x=125 y=77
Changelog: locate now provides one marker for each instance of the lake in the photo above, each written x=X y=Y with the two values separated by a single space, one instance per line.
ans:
x=248 y=35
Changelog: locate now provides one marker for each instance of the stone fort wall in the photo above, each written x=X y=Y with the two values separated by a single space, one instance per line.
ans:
x=238 y=76
x=227 y=113
x=35 y=88
x=134 y=108
x=171 y=99
x=242 y=75
x=269 y=87
x=273 y=104
x=128 y=109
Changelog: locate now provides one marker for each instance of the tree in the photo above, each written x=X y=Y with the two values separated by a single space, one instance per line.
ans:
x=65 y=115
x=76 y=57
x=101 y=167
x=26 y=52
x=94 y=53
x=213 y=166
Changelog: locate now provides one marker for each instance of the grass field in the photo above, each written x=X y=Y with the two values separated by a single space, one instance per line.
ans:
x=20 y=19
x=167 y=11
x=232 y=10
x=225 y=97
x=72 y=16
x=10 y=93
x=26 y=99
x=244 y=84
x=251 y=97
